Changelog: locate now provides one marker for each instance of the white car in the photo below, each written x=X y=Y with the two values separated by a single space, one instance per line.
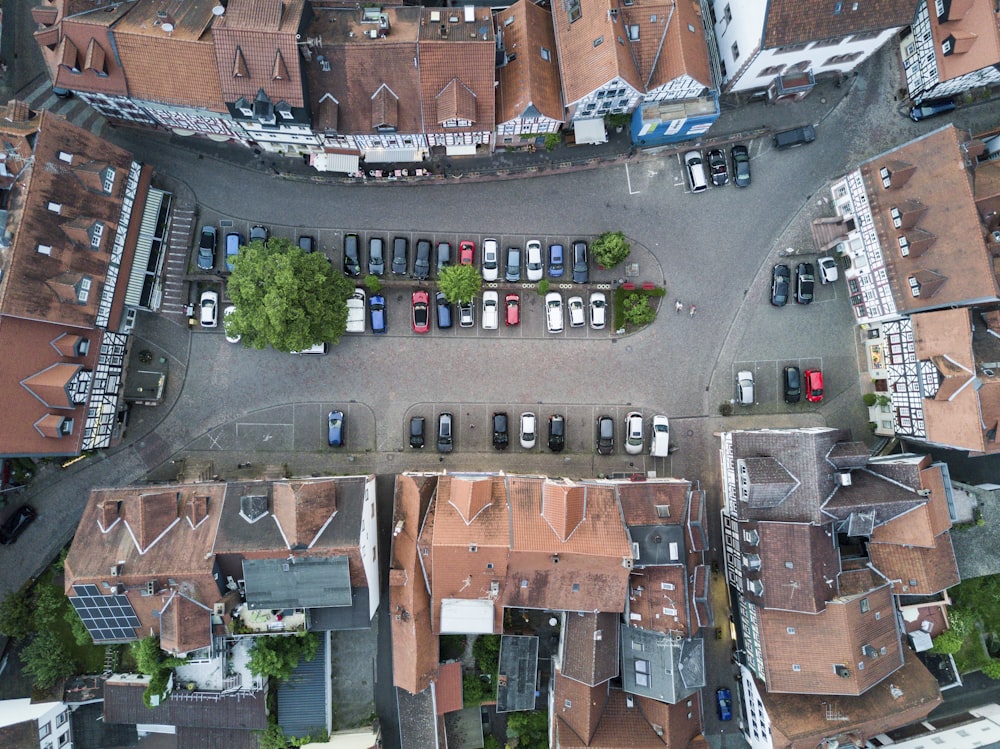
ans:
x=744 y=387
x=491 y=260
x=696 y=171
x=356 y=314
x=230 y=309
x=534 y=268
x=659 y=437
x=491 y=310
x=554 y=312
x=529 y=430
x=577 y=316
x=633 y=433
x=208 y=311
x=827 y=269
x=598 y=310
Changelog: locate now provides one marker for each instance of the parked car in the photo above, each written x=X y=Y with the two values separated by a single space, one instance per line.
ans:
x=14 y=525
x=306 y=243
x=741 y=165
x=206 y=247
x=724 y=703
x=335 y=428
x=421 y=311
x=577 y=316
x=443 y=311
x=467 y=314
x=417 y=432
x=443 y=255
x=804 y=283
x=533 y=266
x=796 y=136
x=400 y=255
x=445 y=441
x=208 y=309
x=466 y=253
x=233 y=242
x=695 y=167
x=814 y=385
x=376 y=256
x=780 y=278
x=258 y=233
x=491 y=260
x=605 y=435
x=717 y=167
x=581 y=271
x=512 y=309
x=598 y=310
x=633 y=433
x=352 y=260
x=376 y=306
x=553 y=312
x=356 y=311
x=659 y=437
x=744 y=388
x=529 y=429
x=555 y=261
x=231 y=338
x=512 y=271
x=491 y=310
x=827 y=269
x=557 y=433
x=422 y=262
x=792 y=380
x=500 y=437
x=931 y=108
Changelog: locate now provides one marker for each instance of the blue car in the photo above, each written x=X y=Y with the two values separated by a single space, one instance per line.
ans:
x=335 y=428
x=233 y=242
x=555 y=261
x=724 y=702
x=376 y=305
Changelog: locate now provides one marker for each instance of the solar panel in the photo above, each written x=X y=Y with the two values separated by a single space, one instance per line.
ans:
x=106 y=617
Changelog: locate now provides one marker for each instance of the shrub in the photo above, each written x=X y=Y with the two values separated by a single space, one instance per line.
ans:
x=992 y=669
x=46 y=660
x=638 y=310
x=17 y=615
x=869 y=399
x=472 y=690
x=552 y=140
x=610 y=249
x=277 y=657
x=725 y=408
x=543 y=287
x=948 y=642
x=486 y=651
x=373 y=284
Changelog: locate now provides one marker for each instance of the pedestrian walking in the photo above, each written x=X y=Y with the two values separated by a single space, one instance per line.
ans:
x=693 y=309
x=678 y=306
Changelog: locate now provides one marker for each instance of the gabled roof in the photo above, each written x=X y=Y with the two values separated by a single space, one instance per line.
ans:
x=528 y=85
x=791 y=22
x=799 y=564
x=53 y=385
x=240 y=712
x=185 y=625
x=448 y=688
x=646 y=725
x=919 y=570
x=303 y=510
x=662 y=666
x=578 y=707
x=590 y=647
x=972 y=36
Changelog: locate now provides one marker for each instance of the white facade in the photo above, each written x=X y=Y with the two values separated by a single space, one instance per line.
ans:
x=739 y=28
x=51 y=719
x=526 y=126
x=617 y=96
x=757 y=729
x=368 y=546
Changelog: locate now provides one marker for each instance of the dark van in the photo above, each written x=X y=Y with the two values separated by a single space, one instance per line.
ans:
x=797 y=136
x=931 y=108
x=443 y=311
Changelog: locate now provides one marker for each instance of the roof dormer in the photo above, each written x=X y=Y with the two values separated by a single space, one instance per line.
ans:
x=894 y=174
x=907 y=213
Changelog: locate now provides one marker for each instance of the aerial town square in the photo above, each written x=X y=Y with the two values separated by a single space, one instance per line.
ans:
x=610 y=374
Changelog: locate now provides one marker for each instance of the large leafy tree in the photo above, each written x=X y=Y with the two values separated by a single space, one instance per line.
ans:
x=278 y=656
x=286 y=298
x=459 y=283
x=47 y=659
x=17 y=615
x=610 y=249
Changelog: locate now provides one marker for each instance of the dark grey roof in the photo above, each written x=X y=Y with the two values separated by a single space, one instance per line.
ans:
x=304 y=700
x=847 y=455
x=768 y=481
x=590 y=647
x=330 y=618
x=658 y=544
x=871 y=493
x=91 y=731
x=417 y=721
x=464 y=728
x=518 y=670
x=199 y=738
x=123 y=704
x=661 y=666
x=297 y=582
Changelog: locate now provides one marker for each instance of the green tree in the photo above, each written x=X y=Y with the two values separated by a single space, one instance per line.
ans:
x=610 y=249
x=486 y=651
x=528 y=730
x=78 y=628
x=277 y=656
x=638 y=310
x=286 y=298
x=50 y=606
x=46 y=660
x=992 y=669
x=472 y=690
x=17 y=615
x=147 y=654
x=459 y=283
x=948 y=642
x=373 y=284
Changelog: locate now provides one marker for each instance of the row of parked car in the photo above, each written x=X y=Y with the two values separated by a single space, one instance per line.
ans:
x=532 y=262
x=805 y=280
x=718 y=167
x=793 y=383
x=209 y=239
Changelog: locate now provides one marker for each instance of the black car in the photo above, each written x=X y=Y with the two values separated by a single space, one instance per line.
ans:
x=445 y=441
x=717 y=167
x=805 y=280
x=400 y=256
x=443 y=311
x=417 y=432
x=581 y=272
x=422 y=263
x=557 y=433
x=306 y=243
x=14 y=525
x=352 y=262
x=741 y=165
x=793 y=384
x=500 y=436
x=780 y=281
x=376 y=256
x=605 y=435
x=796 y=136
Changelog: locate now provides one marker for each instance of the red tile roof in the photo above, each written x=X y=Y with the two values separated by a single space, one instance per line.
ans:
x=528 y=81
x=448 y=688
x=792 y=22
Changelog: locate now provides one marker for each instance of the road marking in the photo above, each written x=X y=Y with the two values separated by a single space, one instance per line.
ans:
x=628 y=178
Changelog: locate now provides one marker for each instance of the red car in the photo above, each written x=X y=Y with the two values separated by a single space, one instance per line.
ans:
x=814 y=385
x=512 y=303
x=421 y=316
x=466 y=252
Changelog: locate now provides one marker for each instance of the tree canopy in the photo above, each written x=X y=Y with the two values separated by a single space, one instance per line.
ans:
x=610 y=249
x=459 y=283
x=286 y=298
x=278 y=656
x=47 y=659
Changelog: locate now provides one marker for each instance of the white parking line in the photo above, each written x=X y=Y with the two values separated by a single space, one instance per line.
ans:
x=628 y=178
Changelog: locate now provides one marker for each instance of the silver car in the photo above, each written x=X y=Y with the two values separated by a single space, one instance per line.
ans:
x=633 y=433
x=744 y=387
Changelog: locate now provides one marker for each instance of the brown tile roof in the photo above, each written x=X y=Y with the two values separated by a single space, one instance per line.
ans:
x=648 y=725
x=802 y=652
x=448 y=688
x=800 y=721
x=65 y=46
x=455 y=101
x=303 y=510
x=170 y=70
x=52 y=385
x=148 y=515
x=185 y=625
x=654 y=593
x=640 y=501
x=920 y=570
x=921 y=525
x=578 y=707
x=528 y=82
x=456 y=80
x=564 y=507
x=685 y=47
x=414 y=645
x=975 y=36
x=792 y=22
x=932 y=171
x=799 y=565
x=470 y=495
x=590 y=647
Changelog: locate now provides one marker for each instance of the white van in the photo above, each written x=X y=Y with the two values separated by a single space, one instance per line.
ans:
x=319 y=348
x=356 y=312
x=696 y=171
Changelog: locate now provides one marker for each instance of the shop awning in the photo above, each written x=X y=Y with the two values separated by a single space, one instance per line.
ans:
x=335 y=162
x=461 y=150
x=590 y=131
x=393 y=155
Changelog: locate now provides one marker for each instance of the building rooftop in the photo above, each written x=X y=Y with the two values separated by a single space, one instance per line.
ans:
x=590 y=647
x=528 y=85
x=517 y=676
x=790 y=22
x=181 y=20
x=968 y=42
x=661 y=666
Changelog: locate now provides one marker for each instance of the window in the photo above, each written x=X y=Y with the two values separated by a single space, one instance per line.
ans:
x=44 y=731
x=736 y=51
x=642 y=672
x=546 y=55
x=800 y=67
x=96 y=233
x=599 y=41
x=473 y=547
x=770 y=71
x=44 y=249
x=489 y=565
x=508 y=21
x=576 y=587
x=666 y=586
x=524 y=583
x=663 y=511
x=792 y=48
x=633 y=32
x=790 y=630
x=727 y=13
x=67 y=157
x=828 y=42
x=55 y=207
x=866 y=35
x=636 y=645
x=864 y=606
x=64 y=739
x=788 y=565
x=573 y=10
x=796 y=667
